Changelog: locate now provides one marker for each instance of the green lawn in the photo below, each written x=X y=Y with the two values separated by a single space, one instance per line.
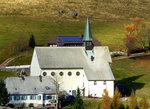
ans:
x=88 y=104
x=4 y=74
x=134 y=73
x=23 y=60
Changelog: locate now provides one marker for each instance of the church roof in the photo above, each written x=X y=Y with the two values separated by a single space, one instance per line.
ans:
x=76 y=58
x=87 y=32
x=30 y=85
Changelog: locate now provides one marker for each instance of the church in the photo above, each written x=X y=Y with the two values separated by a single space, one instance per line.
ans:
x=86 y=67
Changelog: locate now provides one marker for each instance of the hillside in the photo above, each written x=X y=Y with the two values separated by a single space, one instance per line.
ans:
x=97 y=9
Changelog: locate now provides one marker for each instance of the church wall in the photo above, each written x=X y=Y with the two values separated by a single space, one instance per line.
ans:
x=96 y=88
x=35 y=68
x=69 y=83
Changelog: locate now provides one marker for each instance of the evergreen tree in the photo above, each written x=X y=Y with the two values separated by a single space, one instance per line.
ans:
x=143 y=104
x=116 y=99
x=4 y=96
x=105 y=101
x=133 y=100
x=32 y=43
x=78 y=103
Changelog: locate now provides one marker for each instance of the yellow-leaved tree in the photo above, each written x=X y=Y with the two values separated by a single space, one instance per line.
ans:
x=116 y=99
x=143 y=104
x=105 y=101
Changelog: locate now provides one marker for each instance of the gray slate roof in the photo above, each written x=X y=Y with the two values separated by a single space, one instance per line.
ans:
x=29 y=85
x=75 y=57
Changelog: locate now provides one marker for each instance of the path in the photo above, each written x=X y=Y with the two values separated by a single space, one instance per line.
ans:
x=132 y=56
x=7 y=61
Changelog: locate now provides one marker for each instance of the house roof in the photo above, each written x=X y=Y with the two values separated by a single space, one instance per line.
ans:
x=30 y=85
x=75 y=57
x=67 y=38
x=70 y=38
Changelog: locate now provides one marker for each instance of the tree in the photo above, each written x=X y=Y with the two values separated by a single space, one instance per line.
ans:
x=32 y=43
x=78 y=103
x=116 y=99
x=105 y=100
x=144 y=35
x=4 y=96
x=18 y=45
x=130 y=36
x=133 y=100
x=143 y=104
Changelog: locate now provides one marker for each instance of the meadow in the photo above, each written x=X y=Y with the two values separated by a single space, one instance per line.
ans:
x=11 y=28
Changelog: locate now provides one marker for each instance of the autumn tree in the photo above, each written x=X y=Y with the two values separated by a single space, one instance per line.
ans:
x=105 y=101
x=133 y=100
x=130 y=36
x=143 y=104
x=116 y=99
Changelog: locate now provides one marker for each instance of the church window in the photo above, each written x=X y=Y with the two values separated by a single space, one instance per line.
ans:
x=77 y=73
x=61 y=73
x=69 y=73
x=53 y=73
x=95 y=83
x=44 y=73
x=104 y=83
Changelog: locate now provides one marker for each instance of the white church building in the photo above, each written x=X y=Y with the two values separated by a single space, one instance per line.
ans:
x=86 y=67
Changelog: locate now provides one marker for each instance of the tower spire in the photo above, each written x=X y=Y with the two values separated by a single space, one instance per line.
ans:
x=87 y=31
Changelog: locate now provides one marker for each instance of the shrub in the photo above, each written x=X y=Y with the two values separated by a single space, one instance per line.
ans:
x=31 y=105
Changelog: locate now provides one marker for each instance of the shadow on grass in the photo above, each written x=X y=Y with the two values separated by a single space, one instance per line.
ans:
x=126 y=85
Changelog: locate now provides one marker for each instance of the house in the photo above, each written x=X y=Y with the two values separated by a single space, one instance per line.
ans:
x=66 y=40
x=86 y=67
x=36 y=89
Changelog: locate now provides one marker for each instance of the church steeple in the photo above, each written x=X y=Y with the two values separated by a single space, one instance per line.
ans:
x=87 y=37
x=87 y=31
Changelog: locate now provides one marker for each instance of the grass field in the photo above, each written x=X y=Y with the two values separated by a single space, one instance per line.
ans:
x=23 y=60
x=11 y=28
x=134 y=73
x=4 y=74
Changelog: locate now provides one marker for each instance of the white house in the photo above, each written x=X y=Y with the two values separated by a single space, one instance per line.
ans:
x=86 y=67
x=37 y=90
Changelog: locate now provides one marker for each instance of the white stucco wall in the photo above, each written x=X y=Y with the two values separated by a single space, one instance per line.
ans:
x=35 y=68
x=97 y=90
x=35 y=102
x=69 y=83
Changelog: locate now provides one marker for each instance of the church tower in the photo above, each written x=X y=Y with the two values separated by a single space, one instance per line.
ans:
x=88 y=41
x=87 y=37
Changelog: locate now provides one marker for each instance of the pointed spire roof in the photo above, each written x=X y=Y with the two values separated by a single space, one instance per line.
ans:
x=87 y=31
